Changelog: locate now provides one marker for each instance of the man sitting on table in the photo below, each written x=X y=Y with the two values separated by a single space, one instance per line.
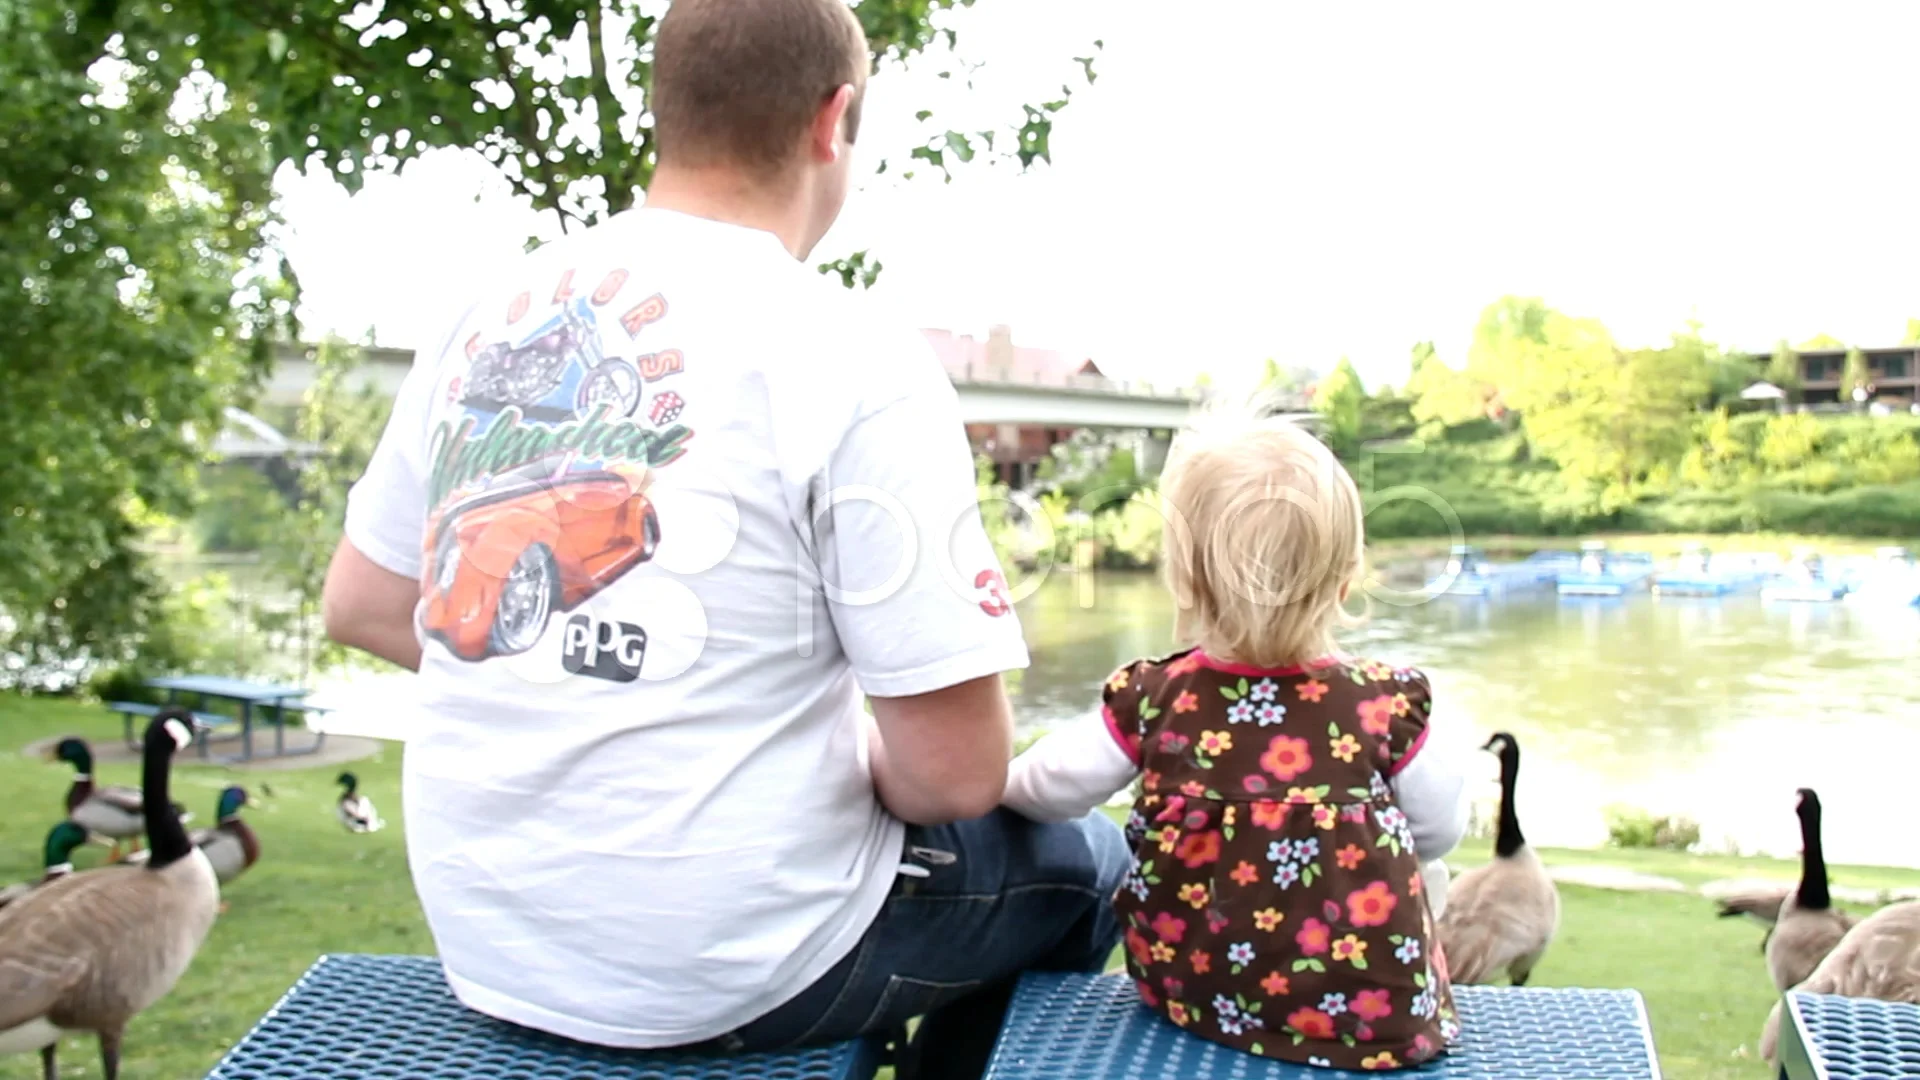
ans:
x=645 y=807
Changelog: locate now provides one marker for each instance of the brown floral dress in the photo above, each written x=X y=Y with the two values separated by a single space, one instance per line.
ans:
x=1274 y=903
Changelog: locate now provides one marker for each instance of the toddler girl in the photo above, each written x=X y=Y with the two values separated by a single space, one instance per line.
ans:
x=1277 y=901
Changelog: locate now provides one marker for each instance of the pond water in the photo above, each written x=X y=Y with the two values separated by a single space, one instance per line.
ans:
x=1716 y=709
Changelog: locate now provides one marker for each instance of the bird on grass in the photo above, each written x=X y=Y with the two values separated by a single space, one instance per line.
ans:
x=230 y=845
x=110 y=811
x=90 y=951
x=1808 y=925
x=62 y=840
x=356 y=810
x=1879 y=958
x=1501 y=917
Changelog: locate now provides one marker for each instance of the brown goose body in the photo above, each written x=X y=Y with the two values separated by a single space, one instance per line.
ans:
x=1879 y=958
x=1501 y=917
x=1808 y=927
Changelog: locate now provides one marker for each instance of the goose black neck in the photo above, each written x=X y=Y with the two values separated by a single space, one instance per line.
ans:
x=166 y=837
x=1508 y=839
x=1813 y=894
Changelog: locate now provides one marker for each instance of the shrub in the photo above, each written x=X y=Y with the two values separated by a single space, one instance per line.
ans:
x=1631 y=828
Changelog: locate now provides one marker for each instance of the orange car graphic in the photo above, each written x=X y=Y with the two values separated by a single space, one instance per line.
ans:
x=536 y=541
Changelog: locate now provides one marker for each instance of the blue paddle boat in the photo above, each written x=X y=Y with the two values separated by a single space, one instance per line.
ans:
x=1603 y=573
x=1891 y=579
x=1468 y=573
x=1699 y=572
x=1807 y=580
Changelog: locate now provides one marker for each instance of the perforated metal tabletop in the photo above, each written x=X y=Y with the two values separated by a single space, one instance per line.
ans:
x=1842 y=1038
x=1082 y=1027
x=393 y=1018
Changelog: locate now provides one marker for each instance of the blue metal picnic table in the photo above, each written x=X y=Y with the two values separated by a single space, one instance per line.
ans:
x=246 y=694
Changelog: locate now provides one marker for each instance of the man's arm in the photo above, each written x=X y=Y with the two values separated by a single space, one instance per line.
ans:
x=370 y=608
x=942 y=756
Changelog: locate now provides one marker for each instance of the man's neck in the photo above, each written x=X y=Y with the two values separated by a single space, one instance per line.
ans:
x=722 y=195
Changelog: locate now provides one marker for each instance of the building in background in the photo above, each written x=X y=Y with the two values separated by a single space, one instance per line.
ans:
x=1016 y=450
x=1893 y=375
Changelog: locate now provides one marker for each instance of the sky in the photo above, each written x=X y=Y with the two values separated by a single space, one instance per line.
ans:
x=1249 y=179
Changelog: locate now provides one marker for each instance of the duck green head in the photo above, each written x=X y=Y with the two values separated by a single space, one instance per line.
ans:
x=62 y=841
x=75 y=753
x=232 y=798
x=349 y=781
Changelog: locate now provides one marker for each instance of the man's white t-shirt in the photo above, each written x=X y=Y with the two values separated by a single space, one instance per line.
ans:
x=676 y=504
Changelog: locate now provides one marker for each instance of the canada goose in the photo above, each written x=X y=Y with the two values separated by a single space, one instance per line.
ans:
x=1501 y=916
x=356 y=810
x=1808 y=927
x=230 y=845
x=1879 y=958
x=89 y=951
x=62 y=839
x=111 y=811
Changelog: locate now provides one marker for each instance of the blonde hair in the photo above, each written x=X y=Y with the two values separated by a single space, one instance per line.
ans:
x=1263 y=535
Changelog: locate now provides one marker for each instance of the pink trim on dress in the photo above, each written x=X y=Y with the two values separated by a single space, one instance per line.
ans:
x=1127 y=746
x=1228 y=667
x=1419 y=741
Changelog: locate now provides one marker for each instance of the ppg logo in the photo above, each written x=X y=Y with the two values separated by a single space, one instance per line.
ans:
x=604 y=650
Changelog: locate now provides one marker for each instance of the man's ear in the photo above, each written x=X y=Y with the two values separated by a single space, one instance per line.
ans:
x=825 y=142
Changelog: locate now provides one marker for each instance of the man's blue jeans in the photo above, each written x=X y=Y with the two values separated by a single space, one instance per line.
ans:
x=1001 y=895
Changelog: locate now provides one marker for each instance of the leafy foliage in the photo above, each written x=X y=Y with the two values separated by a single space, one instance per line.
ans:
x=1337 y=399
x=1853 y=374
x=553 y=92
x=131 y=202
x=1783 y=370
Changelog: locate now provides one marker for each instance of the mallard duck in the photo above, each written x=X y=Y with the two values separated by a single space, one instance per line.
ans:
x=356 y=810
x=111 y=811
x=1879 y=958
x=62 y=840
x=1500 y=917
x=1807 y=927
x=91 y=950
x=230 y=845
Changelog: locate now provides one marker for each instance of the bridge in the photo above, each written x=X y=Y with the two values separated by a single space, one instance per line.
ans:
x=1088 y=401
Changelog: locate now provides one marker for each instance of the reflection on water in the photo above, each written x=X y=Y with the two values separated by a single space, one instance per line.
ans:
x=1713 y=708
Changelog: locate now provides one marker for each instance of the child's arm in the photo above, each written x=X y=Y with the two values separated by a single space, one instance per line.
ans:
x=1428 y=776
x=1068 y=773
x=1431 y=789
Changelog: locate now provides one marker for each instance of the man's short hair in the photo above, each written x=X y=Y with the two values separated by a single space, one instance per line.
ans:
x=737 y=82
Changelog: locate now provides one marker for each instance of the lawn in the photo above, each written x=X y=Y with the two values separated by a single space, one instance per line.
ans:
x=320 y=889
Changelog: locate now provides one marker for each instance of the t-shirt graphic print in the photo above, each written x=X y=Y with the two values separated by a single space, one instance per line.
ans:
x=540 y=474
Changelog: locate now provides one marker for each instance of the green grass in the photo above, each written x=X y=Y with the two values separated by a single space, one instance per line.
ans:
x=319 y=889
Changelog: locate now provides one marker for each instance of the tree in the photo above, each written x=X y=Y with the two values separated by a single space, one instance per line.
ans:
x=1286 y=379
x=1783 y=370
x=553 y=92
x=1337 y=399
x=1442 y=395
x=1607 y=416
x=130 y=206
x=1509 y=334
x=1853 y=375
